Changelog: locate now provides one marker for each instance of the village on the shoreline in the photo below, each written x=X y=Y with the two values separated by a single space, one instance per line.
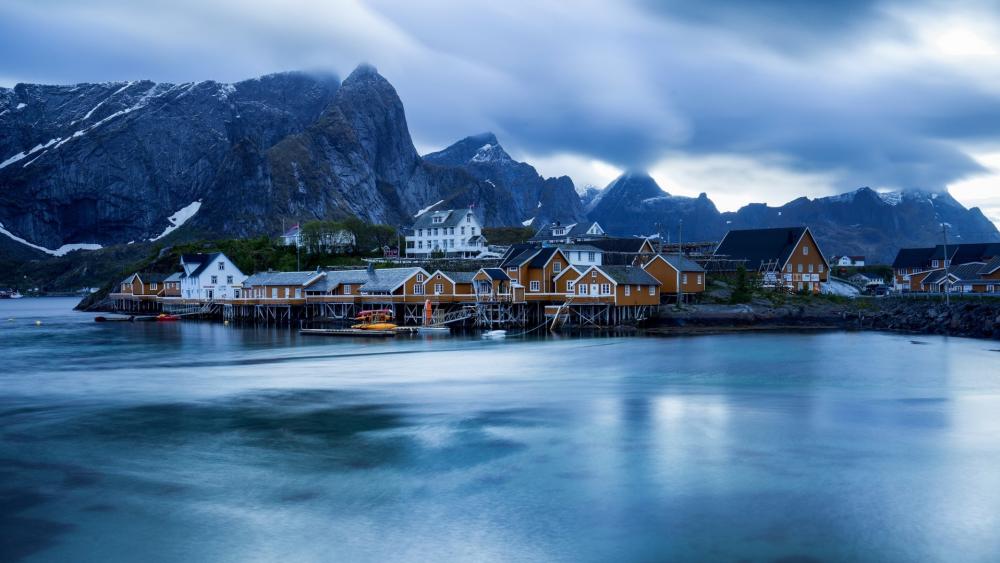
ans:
x=573 y=274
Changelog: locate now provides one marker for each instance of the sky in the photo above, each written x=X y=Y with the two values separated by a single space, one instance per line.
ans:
x=752 y=101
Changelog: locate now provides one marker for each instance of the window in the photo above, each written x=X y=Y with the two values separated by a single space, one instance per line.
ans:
x=222 y=266
x=152 y=285
x=684 y=278
x=468 y=217
x=420 y=232
x=436 y=231
x=591 y=257
x=451 y=230
x=582 y=289
x=628 y=290
x=420 y=244
x=347 y=289
x=462 y=230
x=472 y=231
x=821 y=268
x=274 y=293
x=805 y=251
x=215 y=280
x=700 y=280
x=286 y=293
x=420 y=278
x=511 y=268
x=652 y=290
x=788 y=268
x=605 y=289
x=418 y=289
x=438 y=288
x=298 y=292
x=935 y=263
x=810 y=268
x=439 y=219
x=557 y=267
x=569 y=286
x=229 y=280
x=593 y=274
x=536 y=285
x=800 y=268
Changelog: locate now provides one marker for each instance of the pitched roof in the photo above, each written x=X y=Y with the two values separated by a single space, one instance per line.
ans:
x=520 y=258
x=335 y=278
x=387 y=279
x=174 y=277
x=991 y=266
x=282 y=278
x=203 y=259
x=459 y=277
x=573 y=230
x=968 y=271
x=152 y=277
x=967 y=252
x=912 y=257
x=758 y=246
x=633 y=245
x=585 y=247
x=629 y=275
x=680 y=263
x=936 y=276
x=577 y=268
x=542 y=257
x=496 y=274
x=449 y=218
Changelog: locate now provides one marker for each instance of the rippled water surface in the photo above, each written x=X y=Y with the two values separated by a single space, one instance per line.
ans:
x=201 y=442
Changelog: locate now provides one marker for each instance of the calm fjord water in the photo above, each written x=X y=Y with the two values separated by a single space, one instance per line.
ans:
x=200 y=442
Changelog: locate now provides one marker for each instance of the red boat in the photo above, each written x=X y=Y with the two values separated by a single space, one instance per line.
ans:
x=166 y=317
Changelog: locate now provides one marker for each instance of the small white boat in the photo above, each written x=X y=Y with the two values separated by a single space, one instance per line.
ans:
x=493 y=334
x=433 y=330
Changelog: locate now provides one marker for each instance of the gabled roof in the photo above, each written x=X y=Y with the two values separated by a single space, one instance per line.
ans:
x=581 y=247
x=495 y=274
x=632 y=244
x=388 y=279
x=571 y=268
x=758 y=246
x=967 y=252
x=520 y=258
x=572 y=230
x=336 y=278
x=991 y=266
x=912 y=258
x=455 y=277
x=204 y=260
x=303 y=279
x=936 y=276
x=449 y=218
x=129 y=278
x=679 y=263
x=174 y=277
x=968 y=271
x=152 y=277
x=543 y=256
x=628 y=275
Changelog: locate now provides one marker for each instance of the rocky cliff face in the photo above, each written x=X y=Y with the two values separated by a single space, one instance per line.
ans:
x=536 y=200
x=862 y=222
x=635 y=204
x=111 y=163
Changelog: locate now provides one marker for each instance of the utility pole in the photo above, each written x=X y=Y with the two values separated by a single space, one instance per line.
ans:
x=680 y=256
x=944 y=234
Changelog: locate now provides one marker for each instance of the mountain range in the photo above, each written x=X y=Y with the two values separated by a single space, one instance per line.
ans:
x=93 y=165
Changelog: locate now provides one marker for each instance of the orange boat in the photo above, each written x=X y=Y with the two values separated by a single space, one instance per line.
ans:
x=165 y=317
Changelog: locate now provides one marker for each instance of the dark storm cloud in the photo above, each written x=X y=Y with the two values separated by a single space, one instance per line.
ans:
x=867 y=92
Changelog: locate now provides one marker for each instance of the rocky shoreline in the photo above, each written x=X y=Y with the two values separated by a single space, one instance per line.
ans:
x=976 y=318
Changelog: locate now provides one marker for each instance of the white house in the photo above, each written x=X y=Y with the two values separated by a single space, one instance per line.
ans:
x=452 y=232
x=849 y=261
x=210 y=276
x=583 y=254
x=339 y=241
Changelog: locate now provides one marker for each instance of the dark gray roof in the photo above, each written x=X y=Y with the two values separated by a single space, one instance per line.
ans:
x=542 y=257
x=758 y=246
x=625 y=244
x=496 y=274
x=387 y=279
x=966 y=272
x=934 y=277
x=450 y=218
x=281 y=278
x=152 y=277
x=336 y=278
x=967 y=252
x=573 y=231
x=629 y=275
x=460 y=277
x=991 y=266
x=585 y=247
x=203 y=259
x=682 y=264
x=520 y=258
x=912 y=258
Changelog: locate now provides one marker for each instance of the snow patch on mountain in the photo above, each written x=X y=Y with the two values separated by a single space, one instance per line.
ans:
x=61 y=251
x=179 y=218
x=428 y=208
x=891 y=198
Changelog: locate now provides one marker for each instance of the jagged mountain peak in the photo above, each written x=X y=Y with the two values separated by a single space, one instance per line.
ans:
x=481 y=148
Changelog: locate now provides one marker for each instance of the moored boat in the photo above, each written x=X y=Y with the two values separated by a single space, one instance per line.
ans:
x=379 y=319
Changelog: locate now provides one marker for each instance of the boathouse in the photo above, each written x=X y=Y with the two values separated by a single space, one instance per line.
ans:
x=675 y=272
x=787 y=258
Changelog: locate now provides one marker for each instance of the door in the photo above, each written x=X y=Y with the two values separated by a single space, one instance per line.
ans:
x=594 y=289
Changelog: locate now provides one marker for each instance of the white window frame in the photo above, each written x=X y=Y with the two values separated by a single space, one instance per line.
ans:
x=582 y=289
x=684 y=278
x=628 y=291
x=420 y=277
x=418 y=289
x=438 y=288
x=570 y=286
x=652 y=290
x=805 y=250
x=535 y=286
x=605 y=289
x=556 y=267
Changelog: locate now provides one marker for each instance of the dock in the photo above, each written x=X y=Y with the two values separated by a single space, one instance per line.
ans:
x=356 y=331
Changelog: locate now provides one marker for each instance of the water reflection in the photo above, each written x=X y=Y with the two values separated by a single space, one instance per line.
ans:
x=199 y=442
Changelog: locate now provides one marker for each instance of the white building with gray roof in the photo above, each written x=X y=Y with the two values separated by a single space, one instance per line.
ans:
x=455 y=233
